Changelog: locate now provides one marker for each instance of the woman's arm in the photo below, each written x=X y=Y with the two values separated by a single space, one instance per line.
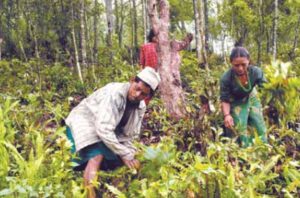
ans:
x=228 y=120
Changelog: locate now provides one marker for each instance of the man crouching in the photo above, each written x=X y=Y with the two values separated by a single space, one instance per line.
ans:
x=102 y=127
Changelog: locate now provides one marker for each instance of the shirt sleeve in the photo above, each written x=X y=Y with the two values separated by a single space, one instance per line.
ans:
x=106 y=123
x=260 y=77
x=224 y=89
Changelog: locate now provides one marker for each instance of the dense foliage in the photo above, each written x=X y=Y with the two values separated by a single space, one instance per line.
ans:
x=192 y=157
x=176 y=161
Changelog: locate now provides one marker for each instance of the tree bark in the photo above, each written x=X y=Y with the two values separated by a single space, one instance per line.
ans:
x=295 y=43
x=95 y=47
x=145 y=21
x=75 y=47
x=134 y=32
x=109 y=18
x=36 y=45
x=206 y=25
x=82 y=33
x=169 y=59
x=202 y=35
x=1 y=40
x=119 y=13
x=110 y=25
x=275 y=24
x=197 y=32
x=260 y=36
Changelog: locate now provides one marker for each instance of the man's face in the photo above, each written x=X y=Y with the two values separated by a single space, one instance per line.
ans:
x=240 y=65
x=138 y=91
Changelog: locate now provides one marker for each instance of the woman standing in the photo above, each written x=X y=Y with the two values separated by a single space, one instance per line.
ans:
x=239 y=102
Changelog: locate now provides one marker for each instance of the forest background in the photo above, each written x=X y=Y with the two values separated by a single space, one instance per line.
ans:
x=53 y=53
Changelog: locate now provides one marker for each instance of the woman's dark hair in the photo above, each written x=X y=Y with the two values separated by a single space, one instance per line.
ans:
x=151 y=35
x=137 y=79
x=239 y=51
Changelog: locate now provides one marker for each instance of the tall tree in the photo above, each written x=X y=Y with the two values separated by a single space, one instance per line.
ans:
x=275 y=24
x=261 y=31
x=75 y=45
x=145 y=20
x=169 y=59
x=1 y=40
x=110 y=25
x=202 y=35
x=120 y=17
x=109 y=18
x=206 y=24
x=197 y=32
x=134 y=31
x=82 y=33
x=95 y=46
x=295 y=42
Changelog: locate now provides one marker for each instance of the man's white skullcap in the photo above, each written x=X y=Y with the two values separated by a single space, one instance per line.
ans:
x=150 y=76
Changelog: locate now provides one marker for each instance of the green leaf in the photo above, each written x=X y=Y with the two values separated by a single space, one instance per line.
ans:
x=115 y=191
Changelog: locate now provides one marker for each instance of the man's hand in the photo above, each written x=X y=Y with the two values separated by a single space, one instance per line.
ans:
x=228 y=121
x=132 y=163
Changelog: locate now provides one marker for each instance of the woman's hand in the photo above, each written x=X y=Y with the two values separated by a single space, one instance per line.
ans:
x=228 y=121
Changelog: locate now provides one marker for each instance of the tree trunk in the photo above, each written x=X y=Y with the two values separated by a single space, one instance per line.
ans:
x=110 y=25
x=1 y=40
x=145 y=21
x=119 y=21
x=295 y=43
x=82 y=34
x=197 y=32
x=90 y=58
x=134 y=32
x=109 y=18
x=117 y=15
x=95 y=47
x=22 y=50
x=202 y=35
x=259 y=41
x=182 y=26
x=169 y=59
x=268 y=35
x=206 y=25
x=275 y=24
x=75 y=47
x=36 y=45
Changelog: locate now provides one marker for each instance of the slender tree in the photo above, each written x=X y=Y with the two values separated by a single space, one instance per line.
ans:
x=1 y=40
x=82 y=33
x=206 y=24
x=169 y=59
x=109 y=18
x=110 y=25
x=197 y=32
x=261 y=31
x=295 y=42
x=75 y=46
x=134 y=28
x=95 y=46
x=275 y=24
x=145 y=19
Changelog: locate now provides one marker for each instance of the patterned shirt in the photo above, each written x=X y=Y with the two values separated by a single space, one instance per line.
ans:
x=148 y=55
x=97 y=118
x=231 y=90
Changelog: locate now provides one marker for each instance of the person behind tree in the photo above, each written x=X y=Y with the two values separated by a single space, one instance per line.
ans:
x=148 y=52
x=239 y=102
x=103 y=126
x=148 y=55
